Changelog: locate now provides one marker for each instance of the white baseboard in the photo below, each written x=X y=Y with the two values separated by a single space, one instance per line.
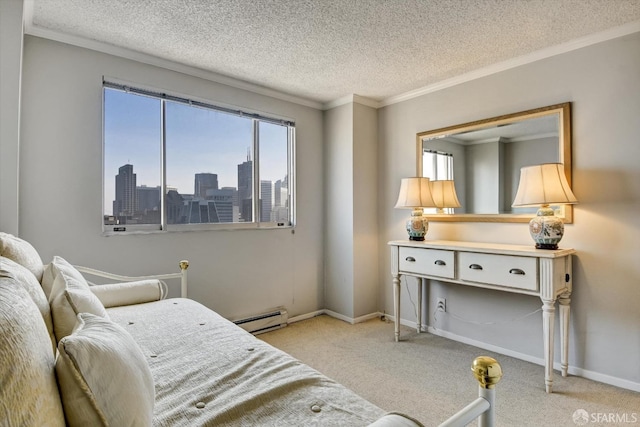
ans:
x=350 y=320
x=579 y=372
x=305 y=316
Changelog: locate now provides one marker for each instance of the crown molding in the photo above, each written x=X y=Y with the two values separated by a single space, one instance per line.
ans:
x=351 y=99
x=144 y=58
x=630 y=28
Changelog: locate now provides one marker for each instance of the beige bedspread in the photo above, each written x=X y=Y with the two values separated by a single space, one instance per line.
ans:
x=209 y=372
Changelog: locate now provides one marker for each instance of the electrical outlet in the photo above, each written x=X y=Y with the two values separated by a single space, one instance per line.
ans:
x=441 y=305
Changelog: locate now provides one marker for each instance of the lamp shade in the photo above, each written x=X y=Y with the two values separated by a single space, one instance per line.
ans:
x=415 y=192
x=544 y=184
x=444 y=194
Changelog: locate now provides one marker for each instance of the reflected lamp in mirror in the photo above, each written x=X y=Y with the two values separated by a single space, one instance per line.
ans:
x=444 y=195
x=544 y=185
x=415 y=194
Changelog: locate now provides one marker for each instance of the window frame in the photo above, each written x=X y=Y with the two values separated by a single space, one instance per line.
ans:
x=256 y=117
x=438 y=156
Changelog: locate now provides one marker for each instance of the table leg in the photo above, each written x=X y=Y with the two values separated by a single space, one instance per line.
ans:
x=564 y=305
x=396 y=305
x=548 y=318
x=419 y=313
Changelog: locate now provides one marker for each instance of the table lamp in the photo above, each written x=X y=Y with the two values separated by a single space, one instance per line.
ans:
x=444 y=195
x=544 y=185
x=415 y=193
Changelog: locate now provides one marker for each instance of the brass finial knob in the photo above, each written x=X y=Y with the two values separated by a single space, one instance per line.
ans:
x=487 y=371
x=184 y=264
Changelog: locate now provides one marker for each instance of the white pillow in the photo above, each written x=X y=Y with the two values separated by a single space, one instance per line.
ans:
x=22 y=252
x=70 y=295
x=47 y=279
x=28 y=389
x=27 y=280
x=103 y=375
x=52 y=270
x=128 y=293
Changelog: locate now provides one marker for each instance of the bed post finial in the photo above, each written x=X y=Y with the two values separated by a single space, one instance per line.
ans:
x=487 y=371
x=184 y=264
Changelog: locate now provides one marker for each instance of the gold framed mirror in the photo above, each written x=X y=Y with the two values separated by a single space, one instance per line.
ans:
x=484 y=158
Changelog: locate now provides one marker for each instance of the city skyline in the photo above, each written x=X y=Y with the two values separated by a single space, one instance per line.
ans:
x=208 y=203
x=198 y=140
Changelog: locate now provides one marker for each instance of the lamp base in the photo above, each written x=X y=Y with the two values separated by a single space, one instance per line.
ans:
x=546 y=228
x=417 y=226
x=546 y=246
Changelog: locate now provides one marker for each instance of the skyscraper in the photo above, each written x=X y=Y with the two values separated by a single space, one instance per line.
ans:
x=148 y=198
x=280 y=211
x=204 y=182
x=245 y=190
x=266 y=202
x=125 y=203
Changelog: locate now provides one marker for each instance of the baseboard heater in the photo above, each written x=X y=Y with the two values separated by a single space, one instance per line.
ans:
x=265 y=322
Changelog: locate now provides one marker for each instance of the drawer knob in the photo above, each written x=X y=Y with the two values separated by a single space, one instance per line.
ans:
x=410 y=259
x=440 y=262
x=516 y=271
x=475 y=267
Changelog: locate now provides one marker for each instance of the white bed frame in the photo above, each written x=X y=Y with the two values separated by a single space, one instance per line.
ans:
x=182 y=275
x=486 y=369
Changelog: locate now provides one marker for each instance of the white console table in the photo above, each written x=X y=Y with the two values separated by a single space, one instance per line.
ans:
x=508 y=268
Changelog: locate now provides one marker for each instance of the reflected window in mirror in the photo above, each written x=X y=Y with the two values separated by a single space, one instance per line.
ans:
x=437 y=166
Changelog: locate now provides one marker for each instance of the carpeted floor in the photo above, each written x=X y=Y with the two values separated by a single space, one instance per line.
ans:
x=429 y=377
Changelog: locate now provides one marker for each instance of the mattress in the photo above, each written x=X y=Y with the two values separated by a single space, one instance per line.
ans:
x=207 y=371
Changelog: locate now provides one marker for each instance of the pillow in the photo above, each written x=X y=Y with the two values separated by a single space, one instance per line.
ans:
x=104 y=377
x=70 y=295
x=128 y=293
x=27 y=280
x=28 y=390
x=59 y=265
x=47 y=279
x=22 y=252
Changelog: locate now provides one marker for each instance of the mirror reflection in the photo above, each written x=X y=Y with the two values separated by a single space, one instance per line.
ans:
x=484 y=158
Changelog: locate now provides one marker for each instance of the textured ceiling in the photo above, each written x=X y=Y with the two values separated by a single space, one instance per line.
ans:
x=323 y=50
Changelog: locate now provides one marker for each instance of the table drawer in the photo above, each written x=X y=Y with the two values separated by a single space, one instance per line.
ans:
x=502 y=270
x=428 y=262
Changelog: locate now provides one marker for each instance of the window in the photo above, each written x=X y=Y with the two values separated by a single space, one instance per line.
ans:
x=437 y=165
x=173 y=163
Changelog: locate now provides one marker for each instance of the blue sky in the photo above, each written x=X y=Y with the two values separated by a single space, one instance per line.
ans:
x=198 y=140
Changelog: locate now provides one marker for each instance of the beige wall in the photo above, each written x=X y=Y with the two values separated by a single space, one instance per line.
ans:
x=603 y=83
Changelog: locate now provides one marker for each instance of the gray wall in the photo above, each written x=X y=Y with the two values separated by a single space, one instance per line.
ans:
x=365 y=203
x=234 y=272
x=602 y=82
x=10 y=77
x=351 y=199
x=483 y=177
x=338 y=206
x=525 y=153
